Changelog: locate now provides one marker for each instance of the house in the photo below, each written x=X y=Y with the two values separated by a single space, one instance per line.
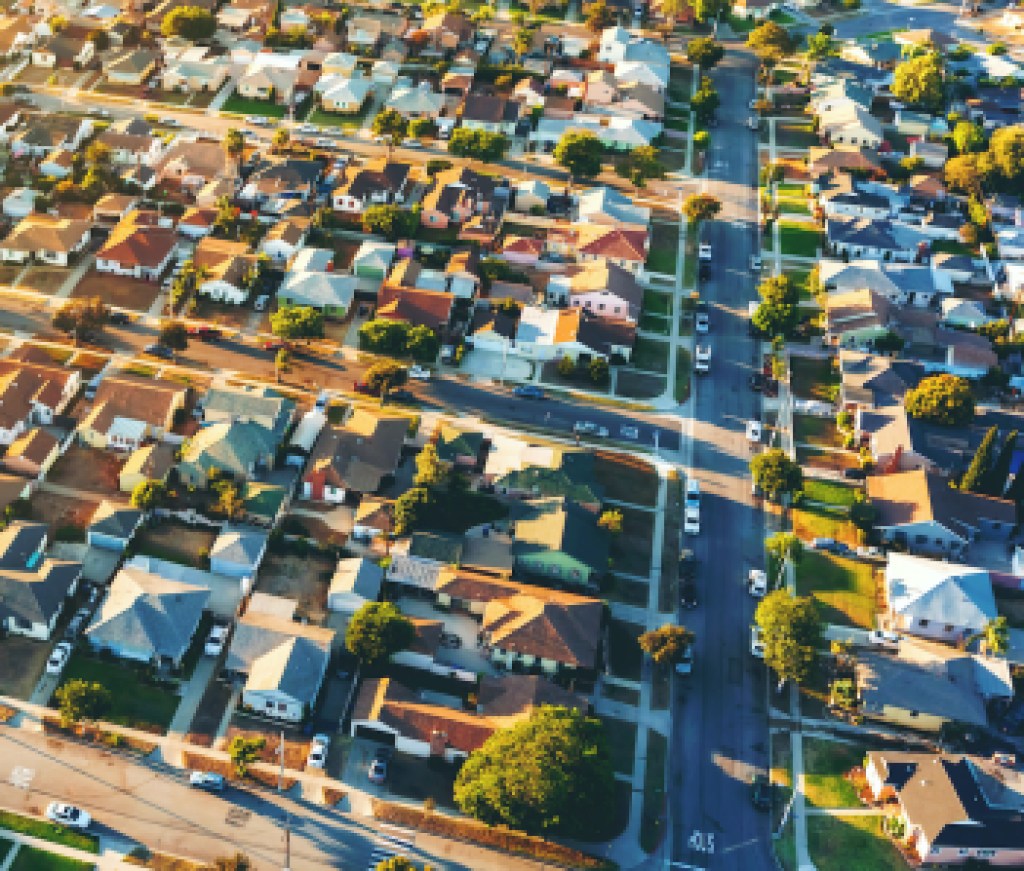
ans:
x=855 y=318
x=147 y=618
x=58 y=164
x=32 y=393
x=237 y=449
x=197 y=222
x=33 y=587
x=624 y=246
x=113 y=526
x=866 y=238
x=526 y=626
x=282 y=661
x=954 y=809
x=20 y=203
x=459 y=448
x=900 y=283
x=32 y=454
x=63 y=52
x=195 y=76
x=269 y=83
x=151 y=462
x=447 y=30
x=356 y=581
x=842 y=158
x=371 y=264
x=46 y=239
x=43 y=134
x=290 y=179
x=227 y=267
x=285 y=238
x=870 y=381
x=194 y=164
x=604 y=205
x=339 y=63
x=966 y=313
x=492 y=114
x=328 y=292
x=355 y=458
x=111 y=208
x=248 y=404
x=560 y=540
x=138 y=246
x=238 y=551
x=618 y=133
x=850 y=124
x=343 y=94
x=378 y=182
x=416 y=101
x=428 y=308
x=926 y=685
x=372 y=518
x=518 y=469
x=131 y=68
x=600 y=287
x=937 y=600
x=458 y=193
x=754 y=10
x=934 y=154
x=918 y=510
x=128 y=411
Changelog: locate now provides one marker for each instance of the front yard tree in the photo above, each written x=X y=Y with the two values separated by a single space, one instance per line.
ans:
x=995 y=637
x=238 y=862
x=918 y=81
x=292 y=322
x=967 y=173
x=388 y=122
x=234 y=144
x=148 y=495
x=775 y=473
x=377 y=630
x=820 y=45
x=580 y=153
x=79 y=700
x=478 y=144
x=640 y=165
x=189 y=22
x=411 y=508
x=975 y=476
x=385 y=219
x=422 y=344
x=549 y=773
x=968 y=137
x=397 y=863
x=790 y=629
x=942 y=399
x=667 y=644
x=78 y=315
x=430 y=471
x=770 y=41
x=384 y=336
x=600 y=16
x=999 y=471
x=784 y=547
x=704 y=52
x=673 y=9
x=173 y=335
x=705 y=101
x=384 y=376
x=244 y=752
x=281 y=139
x=1006 y=150
x=708 y=10
x=701 y=207
x=282 y=362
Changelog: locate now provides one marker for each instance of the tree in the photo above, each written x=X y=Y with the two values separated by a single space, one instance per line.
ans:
x=705 y=101
x=704 y=52
x=189 y=22
x=244 y=752
x=978 y=469
x=238 y=862
x=639 y=165
x=599 y=371
x=549 y=773
x=79 y=700
x=1006 y=149
x=580 y=153
x=478 y=144
x=775 y=318
x=600 y=16
x=523 y=41
x=672 y=9
x=282 y=362
x=376 y=631
x=701 y=207
x=410 y=509
x=611 y=521
x=820 y=45
x=965 y=173
x=430 y=471
x=173 y=335
x=422 y=127
x=398 y=863
x=281 y=139
x=918 y=81
x=707 y=10
x=384 y=336
x=292 y=322
x=148 y=495
x=422 y=344
x=790 y=630
x=388 y=122
x=78 y=316
x=234 y=144
x=942 y=399
x=770 y=42
x=667 y=644
x=996 y=636
x=999 y=472
x=384 y=376
x=775 y=473
x=229 y=498
x=784 y=547
x=968 y=137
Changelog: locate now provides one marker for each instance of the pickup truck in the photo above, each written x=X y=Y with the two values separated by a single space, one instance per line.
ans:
x=702 y=359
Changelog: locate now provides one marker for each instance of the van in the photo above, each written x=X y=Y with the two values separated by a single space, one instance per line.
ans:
x=92 y=386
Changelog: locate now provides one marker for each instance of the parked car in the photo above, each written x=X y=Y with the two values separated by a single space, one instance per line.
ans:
x=67 y=815
x=318 y=752
x=884 y=638
x=378 y=771
x=756 y=642
x=586 y=427
x=120 y=318
x=528 y=391
x=855 y=474
x=204 y=333
x=158 y=350
x=685 y=664
x=59 y=658
x=688 y=594
x=761 y=792
x=691 y=520
x=420 y=373
x=754 y=431
x=261 y=301
x=629 y=432
x=702 y=318
x=757 y=583
x=216 y=640
x=80 y=618
x=206 y=780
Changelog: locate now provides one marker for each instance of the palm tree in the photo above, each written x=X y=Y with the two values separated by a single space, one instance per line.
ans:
x=234 y=145
x=995 y=637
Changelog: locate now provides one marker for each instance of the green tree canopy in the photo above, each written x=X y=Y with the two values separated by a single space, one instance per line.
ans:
x=384 y=336
x=918 y=81
x=708 y=10
x=704 y=51
x=389 y=220
x=821 y=45
x=666 y=644
x=549 y=773
x=968 y=137
x=967 y=173
x=705 y=101
x=611 y=520
x=79 y=700
x=384 y=376
x=422 y=344
x=978 y=470
x=388 y=122
x=639 y=165
x=999 y=472
x=775 y=473
x=189 y=22
x=377 y=630
x=580 y=153
x=478 y=144
x=783 y=546
x=942 y=399
x=1007 y=152
x=411 y=508
x=770 y=41
x=599 y=16
x=173 y=335
x=430 y=471
x=291 y=322
x=148 y=495
x=701 y=207
x=790 y=630
x=245 y=751
x=80 y=315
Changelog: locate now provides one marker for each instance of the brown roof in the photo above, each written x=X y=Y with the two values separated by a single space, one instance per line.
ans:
x=429 y=308
x=137 y=241
x=611 y=242
x=206 y=159
x=378 y=175
x=114 y=203
x=290 y=230
x=150 y=400
x=34 y=446
x=374 y=512
x=223 y=259
x=200 y=216
x=454 y=186
x=428 y=635
x=125 y=141
x=11 y=488
x=489 y=109
x=360 y=454
x=856 y=310
x=824 y=160
x=44 y=232
x=515 y=696
x=24 y=384
x=919 y=496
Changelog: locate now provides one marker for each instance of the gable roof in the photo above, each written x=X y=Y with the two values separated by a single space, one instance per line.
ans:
x=319 y=289
x=45 y=232
x=360 y=454
x=241 y=545
x=150 y=400
x=117 y=521
x=571 y=475
x=563 y=526
x=941 y=592
x=429 y=308
x=919 y=496
x=233 y=446
x=32 y=588
x=138 y=241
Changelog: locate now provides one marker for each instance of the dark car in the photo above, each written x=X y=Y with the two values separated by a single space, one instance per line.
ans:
x=757 y=382
x=855 y=474
x=120 y=318
x=704 y=270
x=528 y=391
x=161 y=351
x=761 y=792
x=688 y=594
x=205 y=333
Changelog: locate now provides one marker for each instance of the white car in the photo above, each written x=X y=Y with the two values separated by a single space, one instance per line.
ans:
x=704 y=251
x=870 y=552
x=67 y=815
x=59 y=658
x=702 y=359
x=702 y=318
x=629 y=432
x=692 y=491
x=261 y=302
x=206 y=780
x=754 y=431
x=753 y=123
x=691 y=520
x=420 y=373
x=215 y=641
x=318 y=752
x=757 y=582
x=752 y=104
x=755 y=262
x=756 y=642
x=587 y=427
x=884 y=638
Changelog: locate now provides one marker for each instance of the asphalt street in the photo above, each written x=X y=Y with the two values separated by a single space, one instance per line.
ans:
x=720 y=724
x=878 y=16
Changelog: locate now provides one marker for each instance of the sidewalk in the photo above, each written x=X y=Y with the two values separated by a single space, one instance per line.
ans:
x=109 y=859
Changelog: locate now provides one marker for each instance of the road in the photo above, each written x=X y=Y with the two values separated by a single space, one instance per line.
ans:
x=720 y=726
x=878 y=16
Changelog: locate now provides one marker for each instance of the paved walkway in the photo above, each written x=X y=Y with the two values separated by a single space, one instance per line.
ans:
x=71 y=282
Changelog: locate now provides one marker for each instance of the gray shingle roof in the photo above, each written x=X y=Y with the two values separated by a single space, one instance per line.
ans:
x=117 y=521
x=240 y=546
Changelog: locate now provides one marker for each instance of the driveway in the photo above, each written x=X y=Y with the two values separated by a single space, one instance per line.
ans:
x=98 y=565
x=489 y=364
x=469 y=657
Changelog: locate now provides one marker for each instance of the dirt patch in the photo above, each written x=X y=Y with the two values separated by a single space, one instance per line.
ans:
x=88 y=469
x=21 y=665
x=177 y=542
x=296 y=748
x=45 y=279
x=66 y=516
x=303 y=578
x=118 y=290
x=235 y=317
x=8 y=273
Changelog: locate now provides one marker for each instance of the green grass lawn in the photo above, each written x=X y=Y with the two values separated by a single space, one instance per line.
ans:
x=657 y=303
x=690 y=258
x=618 y=589
x=654 y=790
x=242 y=106
x=655 y=324
x=5 y=848
x=622 y=742
x=664 y=248
x=793 y=207
x=333 y=119
x=31 y=859
x=678 y=123
x=650 y=355
x=792 y=189
x=799 y=239
x=624 y=654
x=851 y=843
x=48 y=832
x=816 y=430
x=684 y=368
x=798 y=277
x=825 y=764
x=133 y=702
x=844 y=589
x=951 y=246
x=795 y=134
x=813 y=378
x=830 y=492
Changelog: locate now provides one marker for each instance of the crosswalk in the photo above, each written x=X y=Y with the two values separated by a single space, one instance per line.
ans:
x=387 y=847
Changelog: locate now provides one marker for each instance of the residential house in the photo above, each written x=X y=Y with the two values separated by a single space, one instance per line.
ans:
x=371 y=264
x=281 y=661
x=446 y=31
x=356 y=581
x=151 y=462
x=132 y=68
x=379 y=182
x=33 y=587
x=600 y=287
x=43 y=134
x=238 y=449
x=328 y=292
x=58 y=164
x=339 y=63
x=492 y=114
x=754 y=10
x=111 y=208
x=32 y=454
x=32 y=393
x=458 y=193
x=865 y=238
x=113 y=526
x=372 y=518
x=842 y=158
x=964 y=313
x=459 y=448
x=604 y=205
x=249 y=405
x=872 y=381
x=343 y=94
x=131 y=149
x=195 y=76
x=934 y=154
x=856 y=318
x=20 y=203
x=227 y=268
x=918 y=510
x=285 y=238
x=368 y=30
x=614 y=132
x=521 y=470
x=354 y=459
x=416 y=307
x=269 y=83
x=850 y=124
x=291 y=179
x=138 y=246
x=194 y=164
x=900 y=283
x=940 y=601
x=623 y=246
x=238 y=551
x=561 y=540
x=64 y=52
x=45 y=239
x=416 y=101
x=147 y=618
x=128 y=411
x=547 y=334
x=197 y=222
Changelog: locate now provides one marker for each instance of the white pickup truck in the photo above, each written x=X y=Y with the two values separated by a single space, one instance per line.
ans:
x=702 y=359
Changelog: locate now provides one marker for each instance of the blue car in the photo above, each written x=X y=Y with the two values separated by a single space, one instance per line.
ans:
x=528 y=391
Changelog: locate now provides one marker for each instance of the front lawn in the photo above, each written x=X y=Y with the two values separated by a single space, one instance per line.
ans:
x=650 y=355
x=830 y=492
x=851 y=843
x=799 y=239
x=843 y=589
x=625 y=657
x=683 y=371
x=826 y=764
x=243 y=106
x=134 y=701
x=655 y=324
x=811 y=522
x=622 y=743
x=814 y=378
x=657 y=303
x=626 y=478
x=47 y=831
x=795 y=134
x=794 y=207
x=813 y=430
x=664 y=248
x=791 y=189
x=799 y=278
x=654 y=791
x=32 y=859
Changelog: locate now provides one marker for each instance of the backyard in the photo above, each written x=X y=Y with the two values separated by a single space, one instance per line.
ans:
x=820 y=431
x=88 y=469
x=304 y=579
x=795 y=134
x=21 y=665
x=45 y=279
x=66 y=516
x=830 y=492
x=176 y=542
x=814 y=378
x=844 y=589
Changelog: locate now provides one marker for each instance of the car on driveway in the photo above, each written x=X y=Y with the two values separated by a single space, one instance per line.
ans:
x=589 y=428
x=528 y=391
x=59 y=658
x=67 y=815
x=216 y=640
x=206 y=780
x=378 y=771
